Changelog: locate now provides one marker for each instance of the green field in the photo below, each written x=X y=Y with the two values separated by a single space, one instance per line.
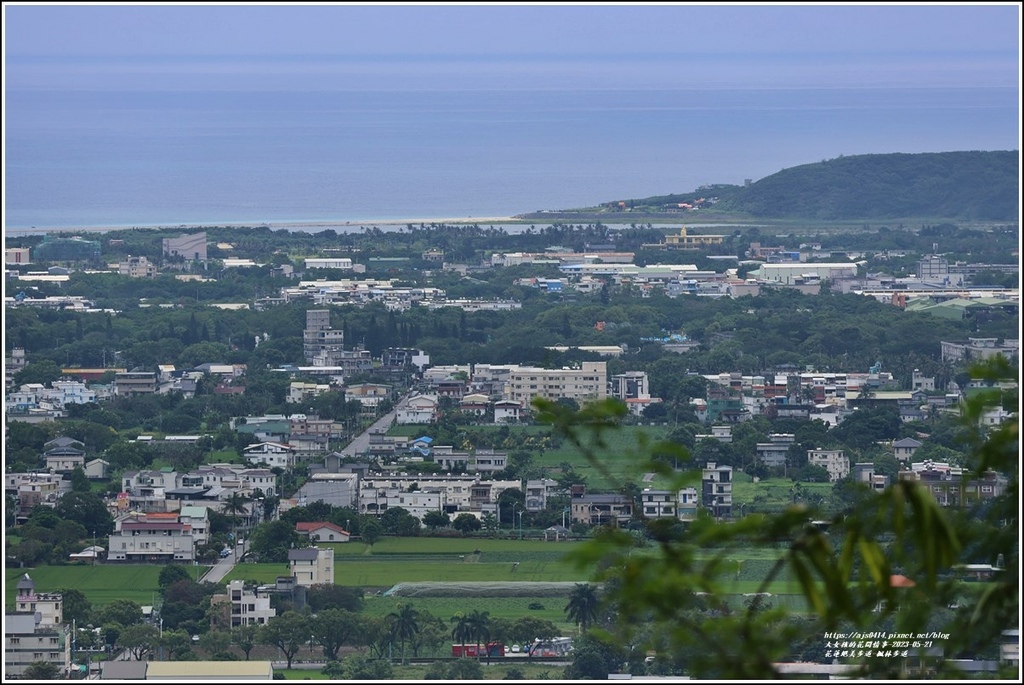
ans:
x=101 y=584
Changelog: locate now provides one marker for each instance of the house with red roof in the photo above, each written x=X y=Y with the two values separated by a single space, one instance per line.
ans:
x=322 y=531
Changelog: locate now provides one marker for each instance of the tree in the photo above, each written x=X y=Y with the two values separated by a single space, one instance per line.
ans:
x=370 y=529
x=404 y=625
x=79 y=481
x=466 y=523
x=480 y=629
x=139 y=639
x=465 y=669
x=398 y=521
x=170 y=574
x=329 y=596
x=582 y=608
x=77 y=607
x=436 y=519
x=333 y=628
x=462 y=630
x=42 y=671
x=246 y=637
x=87 y=509
x=288 y=632
x=124 y=612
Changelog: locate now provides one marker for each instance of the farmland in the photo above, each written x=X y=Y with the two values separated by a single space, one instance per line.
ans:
x=101 y=584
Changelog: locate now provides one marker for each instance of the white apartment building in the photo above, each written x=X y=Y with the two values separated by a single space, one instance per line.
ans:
x=300 y=392
x=587 y=383
x=456 y=491
x=247 y=608
x=151 y=540
x=834 y=461
x=657 y=504
x=312 y=566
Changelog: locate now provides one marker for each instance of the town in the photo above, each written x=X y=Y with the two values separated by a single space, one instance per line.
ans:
x=238 y=410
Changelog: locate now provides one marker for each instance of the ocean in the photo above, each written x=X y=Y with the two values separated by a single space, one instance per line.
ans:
x=108 y=158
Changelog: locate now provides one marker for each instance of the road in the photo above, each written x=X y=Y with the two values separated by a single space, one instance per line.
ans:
x=361 y=443
x=223 y=567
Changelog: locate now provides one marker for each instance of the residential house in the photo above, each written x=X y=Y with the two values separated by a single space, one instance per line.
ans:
x=243 y=607
x=312 y=566
x=198 y=521
x=773 y=453
x=476 y=404
x=27 y=640
x=507 y=411
x=151 y=538
x=129 y=383
x=687 y=504
x=30 y=490
x=370 y=395
x=538 y=491
x=64 y=459
x=834 y=461
x=658 y=504
x=97 y=469
x=716 y=490
x=951 y=487
x=322 y=531
x=418 y=409
x=601 y=509
x=904 y=448
x=270 y=454
x=301 y=392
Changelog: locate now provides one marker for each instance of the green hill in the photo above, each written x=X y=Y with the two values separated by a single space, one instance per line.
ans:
x=968 y=186
x=981 y=186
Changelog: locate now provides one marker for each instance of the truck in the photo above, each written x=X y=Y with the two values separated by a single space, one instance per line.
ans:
x=490 y=649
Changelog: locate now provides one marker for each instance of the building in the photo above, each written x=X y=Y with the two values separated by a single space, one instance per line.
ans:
x=322 y=531
x=659 y=504
x=904 y=448
x=312 y=566
x=271 y=454
x=601 y=509
x=244 y=607
x=329 y=263
x=773 y=453
x=538 y=491
x=35 y=631
x=190 y=247
x=151 y=538
x=17 y=255
x=688 y=502
x=716 y=490
x=834 y=461
x=979 y=348
x=685 y=241
x=336 y=489
x=137 y=267
x=587 y=383
x=130 y=383
x=321 y=345
x=417 y=410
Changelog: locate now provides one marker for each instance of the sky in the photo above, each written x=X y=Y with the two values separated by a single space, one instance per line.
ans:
x=508 y=46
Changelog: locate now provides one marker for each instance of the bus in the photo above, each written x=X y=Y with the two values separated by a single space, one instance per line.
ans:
x=490 y=649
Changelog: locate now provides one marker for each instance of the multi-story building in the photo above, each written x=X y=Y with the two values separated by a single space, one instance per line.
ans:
x=151 y=538
x=773 y=453
x=299 y=391
x=979 y=348
x=584 y=384
x=321 y=345
x=33 y=489
x=716 y=490
x=191 y=247
x=601 y=509
x=688 y=502
x=659 y=504
x=137 y=267
x=130 y=383
x=951 y=488
x=538 y=491
x=834 y=461
x=312 y=566
x=244 y=607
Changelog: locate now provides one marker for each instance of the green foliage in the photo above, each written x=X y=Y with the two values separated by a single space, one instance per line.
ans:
x=42 y=671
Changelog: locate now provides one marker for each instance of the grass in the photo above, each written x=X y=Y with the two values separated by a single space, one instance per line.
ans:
x=498 y=607
x=101 y=584
x=417 y=672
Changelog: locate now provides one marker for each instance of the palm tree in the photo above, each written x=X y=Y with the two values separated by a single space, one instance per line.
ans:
x=462 y=631
x=582 y=608
x=404 y=624
x=480 y=629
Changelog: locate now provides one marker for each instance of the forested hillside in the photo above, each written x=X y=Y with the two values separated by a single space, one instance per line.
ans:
x=967 y=186
x=963 y=185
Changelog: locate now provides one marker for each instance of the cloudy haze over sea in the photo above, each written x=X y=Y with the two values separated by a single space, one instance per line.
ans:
x=167 y=115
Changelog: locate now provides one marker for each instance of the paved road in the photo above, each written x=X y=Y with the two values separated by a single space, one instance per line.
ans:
x=223 y=567
x=361 y=443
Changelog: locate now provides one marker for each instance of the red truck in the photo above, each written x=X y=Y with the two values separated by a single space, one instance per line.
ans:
x=490 y=649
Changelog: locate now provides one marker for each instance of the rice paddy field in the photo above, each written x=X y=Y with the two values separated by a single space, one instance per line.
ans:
x=101 y=584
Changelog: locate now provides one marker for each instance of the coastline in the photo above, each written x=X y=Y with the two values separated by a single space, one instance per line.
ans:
x=274 y=225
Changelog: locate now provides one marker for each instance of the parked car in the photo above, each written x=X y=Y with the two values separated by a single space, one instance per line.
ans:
x=225 y=553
